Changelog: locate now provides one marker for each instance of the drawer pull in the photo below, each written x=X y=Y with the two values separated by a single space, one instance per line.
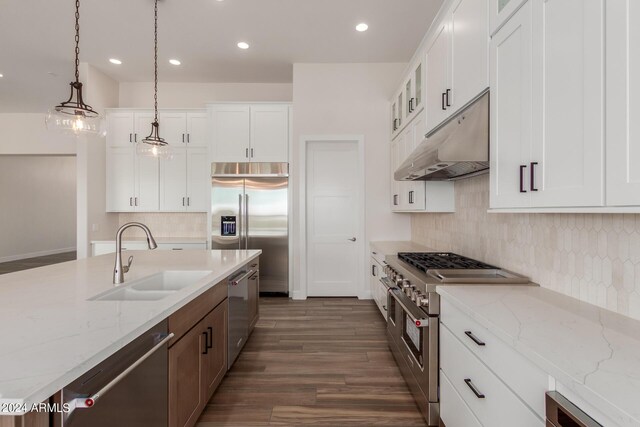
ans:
x=474 y=338
x=473 y=388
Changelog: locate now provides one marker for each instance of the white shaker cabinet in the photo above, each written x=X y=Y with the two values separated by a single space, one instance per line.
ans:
x=132 y=181
x=184 y=128
x=511 y=110
x=457 y=60
x=197 y=129
x=269 y=133
x=547 y=117
x=184 y=181
x=250 y=133
x=623 y=103
x=500 y=11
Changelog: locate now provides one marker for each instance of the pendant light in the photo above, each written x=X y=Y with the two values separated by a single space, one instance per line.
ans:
x=73 y=115
x=153 y=145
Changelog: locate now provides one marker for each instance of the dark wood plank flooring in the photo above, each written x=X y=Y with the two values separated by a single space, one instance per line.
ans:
x=323 y=361
x=41 y=261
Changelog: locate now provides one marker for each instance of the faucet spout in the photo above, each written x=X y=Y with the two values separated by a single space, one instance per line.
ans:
x=119 y=269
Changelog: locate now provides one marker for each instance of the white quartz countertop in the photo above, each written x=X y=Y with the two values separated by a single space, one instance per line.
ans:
x=157 y=239
x=51 y=335
x=592 y=351
x=393 y=247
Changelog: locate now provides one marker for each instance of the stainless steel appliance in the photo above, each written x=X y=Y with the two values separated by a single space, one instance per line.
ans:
x=129 y=389
x=413 y=310
x=562 y=413
x=238 y=325
x=456 y=149
x=249 y=205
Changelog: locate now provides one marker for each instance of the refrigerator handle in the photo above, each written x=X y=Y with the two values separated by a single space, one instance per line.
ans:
x=240 y=222
x=246 y=221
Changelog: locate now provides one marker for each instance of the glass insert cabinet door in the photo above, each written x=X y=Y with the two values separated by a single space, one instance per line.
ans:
x=418 y=86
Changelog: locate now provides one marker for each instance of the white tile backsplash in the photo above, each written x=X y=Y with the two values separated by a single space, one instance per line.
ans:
x=592 y=257
x=167 y=224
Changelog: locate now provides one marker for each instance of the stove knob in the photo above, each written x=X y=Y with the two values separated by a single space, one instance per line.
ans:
x=406 y=284
x=416 y=295
x=398 y=279
x=423 y=301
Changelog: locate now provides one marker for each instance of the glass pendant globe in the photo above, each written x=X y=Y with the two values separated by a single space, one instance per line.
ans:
x=75 y=124
x=154 y=150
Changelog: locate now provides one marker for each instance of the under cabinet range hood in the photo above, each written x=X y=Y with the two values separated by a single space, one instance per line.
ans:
x=457 y=149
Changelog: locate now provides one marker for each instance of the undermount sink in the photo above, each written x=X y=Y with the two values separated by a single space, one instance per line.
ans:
x=152 y=288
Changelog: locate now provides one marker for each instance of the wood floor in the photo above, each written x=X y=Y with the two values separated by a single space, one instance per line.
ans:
x=323 y=361
x=25 y=264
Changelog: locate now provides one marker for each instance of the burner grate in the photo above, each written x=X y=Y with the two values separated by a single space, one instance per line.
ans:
x=441 y=260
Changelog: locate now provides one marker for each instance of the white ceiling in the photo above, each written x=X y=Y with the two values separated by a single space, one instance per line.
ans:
x=36 y=38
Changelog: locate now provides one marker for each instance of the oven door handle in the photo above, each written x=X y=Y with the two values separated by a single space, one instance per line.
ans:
x=414 y=313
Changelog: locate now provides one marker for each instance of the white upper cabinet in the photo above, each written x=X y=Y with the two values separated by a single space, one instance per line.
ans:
x=231 y=133
x=173 y=127
x=547 y=117
x=269 y=133
x=437 y=61
x=120 y=129
x=457 y=60
x=198 y=180
x=142 y=120
x=250 y=133
x=623 y=103
x=469 y=59
x=568 y=131
x=511 y=109
x=197 y=129
x=121 y=175
x=173 y=181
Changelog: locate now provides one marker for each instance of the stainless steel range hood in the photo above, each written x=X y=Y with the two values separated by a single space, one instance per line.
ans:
x=457 y=149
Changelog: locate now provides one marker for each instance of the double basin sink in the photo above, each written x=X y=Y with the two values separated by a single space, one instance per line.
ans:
x=154 y=287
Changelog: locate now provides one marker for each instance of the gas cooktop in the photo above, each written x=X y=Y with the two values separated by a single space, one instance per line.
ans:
x=424 y=261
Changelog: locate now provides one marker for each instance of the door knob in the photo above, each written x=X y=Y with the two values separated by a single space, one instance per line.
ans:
x=353 y=239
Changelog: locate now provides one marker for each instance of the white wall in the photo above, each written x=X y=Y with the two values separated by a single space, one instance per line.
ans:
x=101 y=92
x=353 y=99
x=196 y=95
x=22 y=133
x=38 y=215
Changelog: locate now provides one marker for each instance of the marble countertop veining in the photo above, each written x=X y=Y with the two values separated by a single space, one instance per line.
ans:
x=50 y=334
x=393 y=247
x=592 y=351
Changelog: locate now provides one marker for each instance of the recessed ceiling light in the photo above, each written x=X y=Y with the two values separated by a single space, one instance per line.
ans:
x=243 y=45
x=115 y=61
x=174 y=62
x=362 y=27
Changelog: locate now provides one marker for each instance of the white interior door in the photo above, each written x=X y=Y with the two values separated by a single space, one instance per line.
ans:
x=333 y=206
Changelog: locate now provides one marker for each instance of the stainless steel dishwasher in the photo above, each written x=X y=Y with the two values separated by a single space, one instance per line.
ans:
x=129 y=389
x=238 y=312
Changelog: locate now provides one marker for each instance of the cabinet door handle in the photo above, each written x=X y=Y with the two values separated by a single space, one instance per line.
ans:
x=130 y=138
x=246 y=153
x=474 y=338
x=522 y=168
x=533 y=176
x=183 y=201
x=188 y=201
x=130 y=201
x=395 y=200
x=188 y=138
x=473 y=388
x=411 y=105
x=183 y=138
x=373 y=270
x=443 y=95
x=210 y=337
x=136 y=200
x=448 y=93
x=135 y=137
x=410 y=197
x=252 y=153
x=206 y=342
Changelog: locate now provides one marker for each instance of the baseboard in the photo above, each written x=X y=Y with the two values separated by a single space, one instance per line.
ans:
x=365 y=295
x=36 y=254
x=299 y=295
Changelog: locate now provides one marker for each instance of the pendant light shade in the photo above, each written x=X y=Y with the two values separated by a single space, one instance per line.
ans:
x=154 y=145
x=73 y=115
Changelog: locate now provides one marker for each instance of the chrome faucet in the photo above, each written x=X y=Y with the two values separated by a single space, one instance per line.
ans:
x=119 y=269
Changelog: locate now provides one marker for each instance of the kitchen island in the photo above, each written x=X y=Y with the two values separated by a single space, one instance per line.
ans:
x=53 y=333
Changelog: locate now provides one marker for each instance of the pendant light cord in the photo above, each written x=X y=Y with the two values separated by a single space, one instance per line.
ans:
x=77 y=40
x=155 y=95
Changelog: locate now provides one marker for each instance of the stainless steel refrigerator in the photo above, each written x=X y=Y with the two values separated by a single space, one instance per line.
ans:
x=250 y=210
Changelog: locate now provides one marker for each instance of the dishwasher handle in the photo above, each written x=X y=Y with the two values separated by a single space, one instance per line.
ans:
x=88 y=402
x=234 y=281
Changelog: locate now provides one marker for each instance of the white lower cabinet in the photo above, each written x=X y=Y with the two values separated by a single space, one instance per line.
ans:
x=453 y=410
x=486 y=395
x=377 y=288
